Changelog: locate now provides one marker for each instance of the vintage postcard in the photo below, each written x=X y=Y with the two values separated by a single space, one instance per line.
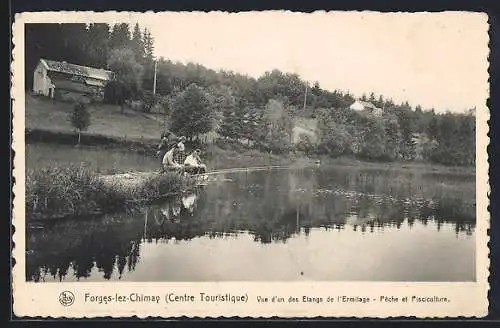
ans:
x=253 y=164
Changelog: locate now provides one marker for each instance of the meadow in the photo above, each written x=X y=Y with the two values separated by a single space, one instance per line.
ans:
x=105 y=120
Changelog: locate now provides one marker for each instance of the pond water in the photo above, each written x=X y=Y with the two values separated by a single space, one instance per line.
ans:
x=101 y=160
x=320 y=223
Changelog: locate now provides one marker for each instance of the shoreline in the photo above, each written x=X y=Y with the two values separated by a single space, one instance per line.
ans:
x=231 y=154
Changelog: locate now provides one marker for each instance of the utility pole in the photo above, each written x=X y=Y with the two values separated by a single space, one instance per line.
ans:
x=154 y=80
x=305 y=95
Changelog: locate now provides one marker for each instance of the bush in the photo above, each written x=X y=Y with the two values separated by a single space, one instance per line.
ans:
x=306 y=144
x=149 y=101
x=71 y=191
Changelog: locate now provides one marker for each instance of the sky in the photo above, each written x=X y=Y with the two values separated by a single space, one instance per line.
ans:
x=437 y=60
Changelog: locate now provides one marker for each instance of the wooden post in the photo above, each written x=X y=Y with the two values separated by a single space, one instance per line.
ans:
x=154 y=80
x=305 y=96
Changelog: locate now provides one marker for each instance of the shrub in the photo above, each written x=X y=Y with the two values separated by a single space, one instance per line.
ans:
x=70 y=191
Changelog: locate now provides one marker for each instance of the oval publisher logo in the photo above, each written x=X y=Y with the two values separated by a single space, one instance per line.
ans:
x=66 y=298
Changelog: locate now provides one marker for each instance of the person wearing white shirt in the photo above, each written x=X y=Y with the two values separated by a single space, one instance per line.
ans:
x=193 y=163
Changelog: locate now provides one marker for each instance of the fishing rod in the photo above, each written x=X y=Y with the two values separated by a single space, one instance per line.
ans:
x=242 y=169
x=220 y=171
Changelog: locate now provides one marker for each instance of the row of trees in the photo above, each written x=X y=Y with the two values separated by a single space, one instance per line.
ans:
x=196 y=112
x=447 y=139
x=395 y=135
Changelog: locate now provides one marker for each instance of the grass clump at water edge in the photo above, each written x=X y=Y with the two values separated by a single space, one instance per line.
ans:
x=74 y=191
x=160 y=186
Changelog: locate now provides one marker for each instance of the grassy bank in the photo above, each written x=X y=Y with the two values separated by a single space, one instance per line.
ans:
x=106 y=120
x=77 y=191
x=114 y=155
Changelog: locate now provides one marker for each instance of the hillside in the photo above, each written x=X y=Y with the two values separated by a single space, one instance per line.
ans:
x=107 y=120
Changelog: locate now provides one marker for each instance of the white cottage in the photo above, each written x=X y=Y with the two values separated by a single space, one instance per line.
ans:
x=360 y=105
x=63 y=80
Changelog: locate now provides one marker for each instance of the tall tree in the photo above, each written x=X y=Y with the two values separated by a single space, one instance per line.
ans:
x=128 y=74
x=75 y=42
x=334 y=137
x=79 y=119
x=137 y=44
x=393 y=136
x=148 y=43
x=42 y=41
x=120 y=36
x=192 y=113
x=148 y=61
x=98 y=48
x=380 y=102
x=373 y=137
x=277 y=126
x=407 y=127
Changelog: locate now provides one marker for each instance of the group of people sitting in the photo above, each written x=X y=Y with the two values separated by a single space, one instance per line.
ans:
x=171 y=151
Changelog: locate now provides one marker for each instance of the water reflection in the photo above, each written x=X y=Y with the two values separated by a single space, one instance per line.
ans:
x=268 y=207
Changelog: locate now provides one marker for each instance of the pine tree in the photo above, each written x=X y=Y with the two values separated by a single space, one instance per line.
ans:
x=137 y=44
x=148 y=43
x=380 y=102
x=98 y=50
x=120 y=36
x=74 y=40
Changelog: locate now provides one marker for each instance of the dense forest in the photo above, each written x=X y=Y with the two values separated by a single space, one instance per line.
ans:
x=259 y=112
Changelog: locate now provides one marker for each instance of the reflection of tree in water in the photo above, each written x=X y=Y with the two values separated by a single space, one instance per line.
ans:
x=276 y=206
x=79 y=246
x=273 y=206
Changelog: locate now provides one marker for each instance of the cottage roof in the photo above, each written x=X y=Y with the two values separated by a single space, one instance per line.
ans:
x=78 y=70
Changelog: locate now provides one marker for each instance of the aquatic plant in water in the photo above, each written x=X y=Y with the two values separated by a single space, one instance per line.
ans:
x=72 y=191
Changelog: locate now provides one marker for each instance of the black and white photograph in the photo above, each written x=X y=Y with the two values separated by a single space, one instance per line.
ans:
x=254 y=147
x=150 y=159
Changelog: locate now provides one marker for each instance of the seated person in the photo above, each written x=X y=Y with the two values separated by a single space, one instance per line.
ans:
x=193 y=163
x=162 y=148
x=168 y=140
x=169 y=160
x=180 y=142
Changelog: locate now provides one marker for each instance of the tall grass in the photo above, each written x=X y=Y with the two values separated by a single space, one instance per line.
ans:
x=74 y=191
x=159 y=186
